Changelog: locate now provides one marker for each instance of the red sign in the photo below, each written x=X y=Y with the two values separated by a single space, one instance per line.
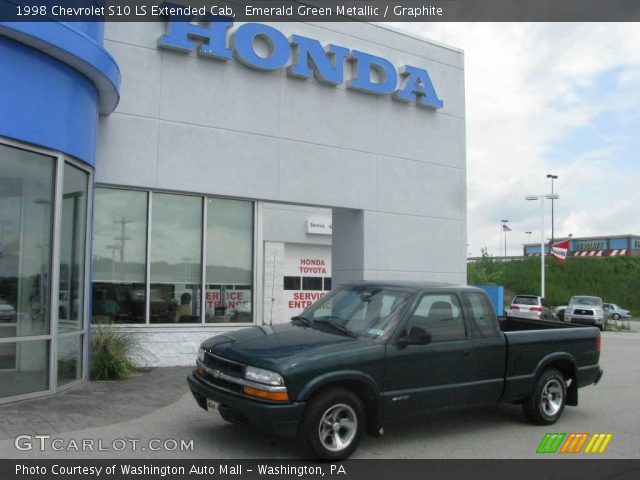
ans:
x=559 y=251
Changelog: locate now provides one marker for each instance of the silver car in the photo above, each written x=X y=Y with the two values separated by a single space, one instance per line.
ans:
x=586 y=310
x=7 y=312
x=530 y=307
x=615 y=312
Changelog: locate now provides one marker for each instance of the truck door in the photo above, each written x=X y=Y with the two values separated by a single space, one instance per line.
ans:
x=434 y=374
x=489 y=347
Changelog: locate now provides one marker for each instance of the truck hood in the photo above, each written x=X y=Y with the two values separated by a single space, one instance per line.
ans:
x=269 y=346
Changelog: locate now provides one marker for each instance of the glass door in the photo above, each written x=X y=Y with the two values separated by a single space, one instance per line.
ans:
x=44 y=205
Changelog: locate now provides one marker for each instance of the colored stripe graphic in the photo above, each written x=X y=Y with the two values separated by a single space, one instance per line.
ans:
x=574 y=443
x=598 y=443
x=550 y=443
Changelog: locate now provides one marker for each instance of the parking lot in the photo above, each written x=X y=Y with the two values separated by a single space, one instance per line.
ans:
x=157 y=405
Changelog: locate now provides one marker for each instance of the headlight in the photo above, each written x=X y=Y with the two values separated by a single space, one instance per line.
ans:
x=266 y=377
x=201 y=355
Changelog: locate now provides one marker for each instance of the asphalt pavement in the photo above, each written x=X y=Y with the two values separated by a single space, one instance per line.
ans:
x=128 y=419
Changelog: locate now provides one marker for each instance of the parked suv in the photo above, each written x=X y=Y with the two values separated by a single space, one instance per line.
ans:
x=586 y=311
x=530 y=307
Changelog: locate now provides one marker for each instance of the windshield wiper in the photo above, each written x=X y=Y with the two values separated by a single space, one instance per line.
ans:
x=335 y=326
x=302 y=320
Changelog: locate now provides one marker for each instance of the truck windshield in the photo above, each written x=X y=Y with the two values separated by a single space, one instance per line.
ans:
x=591 y=301
x=357 y=311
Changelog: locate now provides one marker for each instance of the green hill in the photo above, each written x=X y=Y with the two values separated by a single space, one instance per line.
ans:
x=615 y=279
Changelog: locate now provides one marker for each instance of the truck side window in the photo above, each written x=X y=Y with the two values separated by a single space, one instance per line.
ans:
x=440 y=316
x=482 y=314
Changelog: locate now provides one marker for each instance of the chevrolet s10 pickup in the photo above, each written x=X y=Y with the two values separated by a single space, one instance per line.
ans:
x=369 y=353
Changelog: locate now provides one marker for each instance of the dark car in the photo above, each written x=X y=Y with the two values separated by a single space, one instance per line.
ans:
x=369 y=353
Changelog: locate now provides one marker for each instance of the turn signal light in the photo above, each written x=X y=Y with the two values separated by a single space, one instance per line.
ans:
x=598 y=343
x=200 y=371
x=266 y=395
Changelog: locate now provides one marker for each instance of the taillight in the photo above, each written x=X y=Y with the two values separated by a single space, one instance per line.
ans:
x=598 y=343
x=515 y=307
x=536 y=309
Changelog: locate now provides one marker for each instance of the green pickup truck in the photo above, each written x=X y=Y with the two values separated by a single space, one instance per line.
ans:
x=368 y=353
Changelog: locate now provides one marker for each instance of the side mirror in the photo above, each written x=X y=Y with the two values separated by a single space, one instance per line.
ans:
x=416 y=336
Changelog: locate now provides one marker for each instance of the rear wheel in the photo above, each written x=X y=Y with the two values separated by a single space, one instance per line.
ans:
x=547 y=402
x=333 y=424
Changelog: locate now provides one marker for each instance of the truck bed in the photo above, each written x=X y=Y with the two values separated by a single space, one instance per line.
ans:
x=530 y=343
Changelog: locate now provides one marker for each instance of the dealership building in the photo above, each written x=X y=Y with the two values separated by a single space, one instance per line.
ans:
x=599 y=246
x=180 y=180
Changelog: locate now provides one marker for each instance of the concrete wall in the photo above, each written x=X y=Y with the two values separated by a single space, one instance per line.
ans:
x=394 y=173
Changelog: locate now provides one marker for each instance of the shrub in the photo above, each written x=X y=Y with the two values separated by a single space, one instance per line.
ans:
x=111 y=353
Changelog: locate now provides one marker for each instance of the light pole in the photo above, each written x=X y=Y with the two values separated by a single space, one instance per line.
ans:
x=528 y=236
x=505 y=229
x=541 y=198
x=552 y=177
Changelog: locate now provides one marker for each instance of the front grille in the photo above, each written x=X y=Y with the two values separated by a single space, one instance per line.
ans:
x=224 y=384
x=581 y=311
x=215 y=362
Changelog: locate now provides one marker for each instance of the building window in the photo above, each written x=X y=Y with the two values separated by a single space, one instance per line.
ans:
x=327 y=283
x=176 y=259
x=119 y=256
x=229 y=267
x=312 y=283
x=177 y=232
x=292 y=283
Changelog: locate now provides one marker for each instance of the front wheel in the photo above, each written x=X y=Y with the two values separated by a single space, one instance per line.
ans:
x=546 y=403
x=333 y=424
x=616 y=316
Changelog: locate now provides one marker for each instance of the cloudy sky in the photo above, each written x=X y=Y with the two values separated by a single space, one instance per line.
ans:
x=548 y=98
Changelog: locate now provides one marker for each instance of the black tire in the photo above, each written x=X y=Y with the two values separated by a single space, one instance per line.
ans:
x=333 y=414
x=547 y=402
x=616 y=316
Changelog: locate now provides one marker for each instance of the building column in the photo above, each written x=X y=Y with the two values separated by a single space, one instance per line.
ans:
x=353 y=254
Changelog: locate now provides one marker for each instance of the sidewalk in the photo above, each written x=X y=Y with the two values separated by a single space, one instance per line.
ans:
x=95 y=404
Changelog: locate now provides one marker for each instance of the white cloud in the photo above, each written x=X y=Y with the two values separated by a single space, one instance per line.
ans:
x=530 y=92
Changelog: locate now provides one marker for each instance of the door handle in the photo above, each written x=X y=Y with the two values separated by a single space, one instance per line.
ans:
x=467 y=353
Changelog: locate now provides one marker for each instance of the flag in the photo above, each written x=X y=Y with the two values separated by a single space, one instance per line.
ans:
x=559 y=251
x=505 y=228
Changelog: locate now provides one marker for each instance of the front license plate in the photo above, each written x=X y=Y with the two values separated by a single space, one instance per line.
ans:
x=213 y=407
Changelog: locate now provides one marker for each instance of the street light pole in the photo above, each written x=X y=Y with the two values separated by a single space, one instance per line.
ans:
x=542 y=253
x=552 y=177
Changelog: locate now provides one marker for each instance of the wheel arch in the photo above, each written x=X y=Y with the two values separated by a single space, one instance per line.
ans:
x=359 y=383
x=566 y=364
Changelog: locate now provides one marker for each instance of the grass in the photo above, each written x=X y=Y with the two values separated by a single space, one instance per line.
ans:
x=112 y=351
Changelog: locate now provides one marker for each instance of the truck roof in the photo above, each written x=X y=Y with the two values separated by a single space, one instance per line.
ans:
x=412 y=285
